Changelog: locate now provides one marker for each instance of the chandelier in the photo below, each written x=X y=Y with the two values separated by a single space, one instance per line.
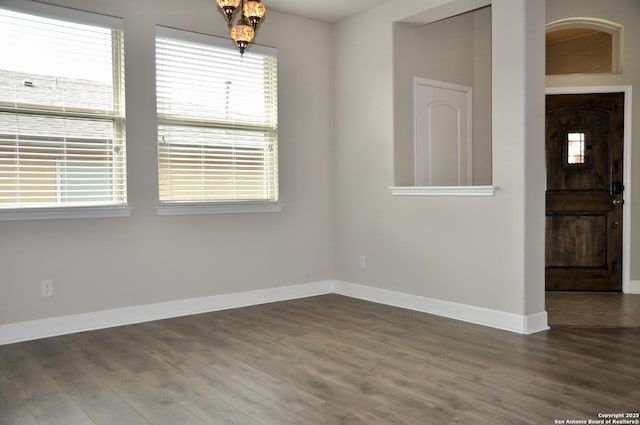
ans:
x=244 y=31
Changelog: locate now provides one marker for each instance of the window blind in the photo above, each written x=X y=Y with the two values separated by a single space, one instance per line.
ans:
x=217 y=120
x=62 y=136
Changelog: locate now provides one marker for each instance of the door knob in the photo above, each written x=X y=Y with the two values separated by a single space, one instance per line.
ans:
x=617 y=201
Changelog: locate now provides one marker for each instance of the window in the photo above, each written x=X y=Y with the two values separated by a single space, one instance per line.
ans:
x=575 y=148
x=578 y=51
x=62 y=138
x=581 y=45
x=217 y=120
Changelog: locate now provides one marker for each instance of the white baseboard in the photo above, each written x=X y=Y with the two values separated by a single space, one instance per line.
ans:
x=633 y=287
x=523 y=324
x=43 y=328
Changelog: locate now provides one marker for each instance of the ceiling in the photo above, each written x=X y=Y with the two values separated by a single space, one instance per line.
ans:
x=322 y=10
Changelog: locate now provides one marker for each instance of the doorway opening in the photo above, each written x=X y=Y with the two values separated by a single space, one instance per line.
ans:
x=568 y=300
x=584 y=191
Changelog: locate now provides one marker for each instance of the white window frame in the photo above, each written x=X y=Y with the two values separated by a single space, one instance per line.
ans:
x=214 y=206
x=60 y=211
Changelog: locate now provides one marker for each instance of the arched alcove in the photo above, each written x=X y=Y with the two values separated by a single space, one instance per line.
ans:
x=583 y=46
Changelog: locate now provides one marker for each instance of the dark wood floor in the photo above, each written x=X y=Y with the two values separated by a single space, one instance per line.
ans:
x=593 y=309
x=320 y=360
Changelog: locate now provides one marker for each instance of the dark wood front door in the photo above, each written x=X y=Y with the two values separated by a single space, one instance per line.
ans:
x=584 y=145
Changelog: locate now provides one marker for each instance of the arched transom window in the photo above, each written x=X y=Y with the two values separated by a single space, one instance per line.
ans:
x=583 y=46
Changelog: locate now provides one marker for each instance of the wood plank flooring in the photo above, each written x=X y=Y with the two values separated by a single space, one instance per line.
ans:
x=593 y=309
x=320 y=360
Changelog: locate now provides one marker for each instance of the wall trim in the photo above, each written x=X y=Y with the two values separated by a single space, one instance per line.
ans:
x=218 y=208
x=523 y=324
x=633 y=287
x=443 y=190
x=44 y=328
x=55 y=213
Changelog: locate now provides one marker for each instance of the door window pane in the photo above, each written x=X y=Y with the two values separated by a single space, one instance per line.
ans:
x=575 y=148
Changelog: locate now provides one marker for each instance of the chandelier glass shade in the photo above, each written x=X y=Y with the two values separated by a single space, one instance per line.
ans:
x=228 y=7
x=253 y=10
x=251 y=14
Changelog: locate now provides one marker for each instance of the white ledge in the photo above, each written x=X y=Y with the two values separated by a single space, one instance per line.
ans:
x=19 y=214
x=194 y=209
x=443 y=190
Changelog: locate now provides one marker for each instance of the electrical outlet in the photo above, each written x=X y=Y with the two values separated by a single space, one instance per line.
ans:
x=46 y=288
x=363 y=262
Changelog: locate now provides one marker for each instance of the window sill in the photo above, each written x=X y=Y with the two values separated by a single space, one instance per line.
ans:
x=195 y=209
x=20 y=214
x=443 y=190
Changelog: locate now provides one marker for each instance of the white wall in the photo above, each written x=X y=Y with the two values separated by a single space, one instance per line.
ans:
x=101 y=264
x=336 y=164
x=484 y=252
x=626 y=13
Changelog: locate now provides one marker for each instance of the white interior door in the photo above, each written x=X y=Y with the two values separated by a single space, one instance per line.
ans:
x=442 y=134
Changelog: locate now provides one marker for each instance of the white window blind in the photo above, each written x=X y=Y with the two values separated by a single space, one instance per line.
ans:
x=217 y=120
x=62 y=139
